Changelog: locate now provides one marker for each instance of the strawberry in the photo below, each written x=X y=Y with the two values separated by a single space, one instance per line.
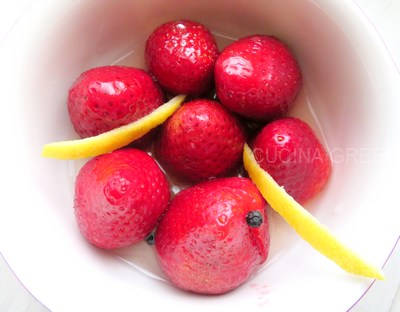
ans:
x=119 y=197
x=257 y=77
x=214 y=236
x=289 y=150
x=181 y=55
x=200 y=141
x=104 y=98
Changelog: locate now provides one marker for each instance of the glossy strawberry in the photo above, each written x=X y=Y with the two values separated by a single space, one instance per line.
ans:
x=289 y=150
x=257 y=77
x=119 y=197
x=181 y=55
x=104 y=98
x=200 y=141
x=214 y=236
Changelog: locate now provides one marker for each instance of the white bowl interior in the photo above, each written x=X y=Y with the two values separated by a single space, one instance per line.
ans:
x=352 y=112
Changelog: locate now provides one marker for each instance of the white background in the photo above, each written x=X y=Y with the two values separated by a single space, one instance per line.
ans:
x=384 y=297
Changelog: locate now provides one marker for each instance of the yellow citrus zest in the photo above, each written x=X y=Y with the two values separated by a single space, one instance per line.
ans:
x=113 y=139
x=307 y=226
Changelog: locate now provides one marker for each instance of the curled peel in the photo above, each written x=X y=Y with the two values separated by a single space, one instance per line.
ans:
x=307 y=226
x=113 y=139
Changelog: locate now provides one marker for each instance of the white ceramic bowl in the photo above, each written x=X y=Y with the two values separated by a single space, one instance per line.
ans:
x=349 y=97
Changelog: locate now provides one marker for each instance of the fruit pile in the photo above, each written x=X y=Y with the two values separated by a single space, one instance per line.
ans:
x=213 y=235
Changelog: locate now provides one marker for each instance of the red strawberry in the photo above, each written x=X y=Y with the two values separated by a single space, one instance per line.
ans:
x=291 y=153
x=201 y=140
x=108 y=97
x=214 y=236
x=119 y=197
x=181 y=55
x=257 y=77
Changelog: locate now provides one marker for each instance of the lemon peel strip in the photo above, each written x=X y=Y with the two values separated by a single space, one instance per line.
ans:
x=113 y=139
x=306 y=225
